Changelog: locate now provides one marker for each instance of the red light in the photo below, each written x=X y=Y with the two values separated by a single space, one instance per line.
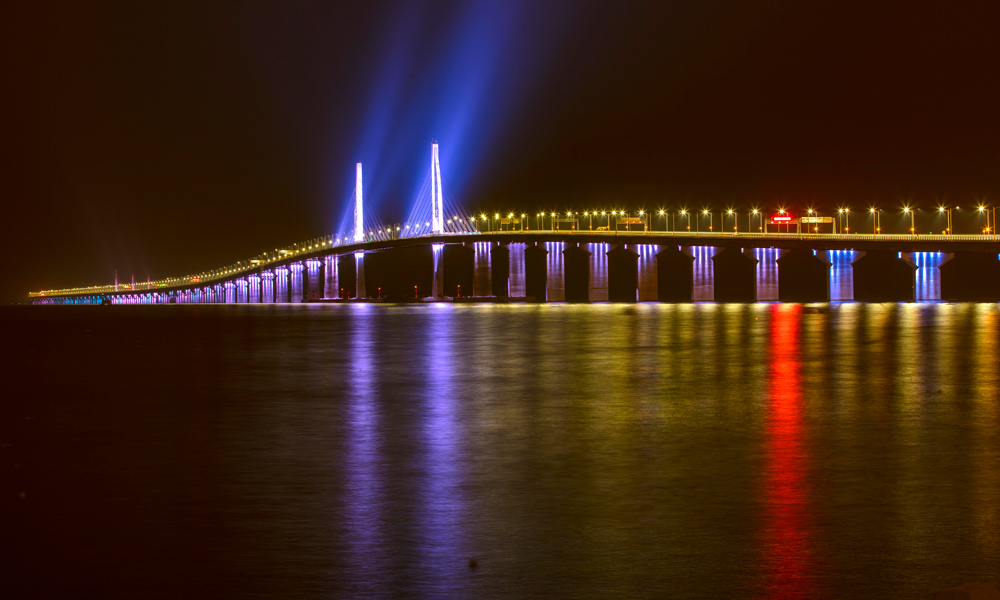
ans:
x=781 y=218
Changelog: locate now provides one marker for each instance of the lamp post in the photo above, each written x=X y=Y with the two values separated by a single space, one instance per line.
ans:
x=710 y=218
x=944 y=209
x=982 y=209
x=663 y=214
x=912 y=213
x=736 y=223
x=685 y=213
x=750 y=219
x=645 y=226
x=876 y=220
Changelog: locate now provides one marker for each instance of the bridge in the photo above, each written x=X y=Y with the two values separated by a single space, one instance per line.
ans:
x=435 y=257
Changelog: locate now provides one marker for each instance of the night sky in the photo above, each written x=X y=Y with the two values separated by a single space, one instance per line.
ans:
x=162 y=139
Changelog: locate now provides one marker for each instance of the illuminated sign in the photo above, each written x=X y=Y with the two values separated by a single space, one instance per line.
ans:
x=816 y=219
x=630 y=221
x=782 y=218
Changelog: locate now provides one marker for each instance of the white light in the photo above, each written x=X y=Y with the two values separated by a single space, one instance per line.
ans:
x=437 y=197
x=359 y=233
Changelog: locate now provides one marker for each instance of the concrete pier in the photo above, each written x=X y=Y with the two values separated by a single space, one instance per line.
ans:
x=576 y=271
x=674 y=275
x=536 y=272
x=623 y=274
x=884 y=277
x=500 y=269
x=803 y=277
x=735 y=276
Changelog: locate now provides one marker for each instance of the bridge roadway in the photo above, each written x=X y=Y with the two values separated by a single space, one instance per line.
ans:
x=976 y=254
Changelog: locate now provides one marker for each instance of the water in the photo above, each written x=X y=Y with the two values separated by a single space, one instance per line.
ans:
x=580 y=451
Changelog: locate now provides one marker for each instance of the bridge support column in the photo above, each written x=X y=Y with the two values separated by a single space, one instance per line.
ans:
x=623 y=274
x=500 y=269
x=322 y=277
x=970 y=276
x=437 y=250
x=359 y=261
x=803 y=277
x=459 y=270
x=884 y=277
x=735 y=278
x=536 y=272
x=674 y=275
x=576 y=273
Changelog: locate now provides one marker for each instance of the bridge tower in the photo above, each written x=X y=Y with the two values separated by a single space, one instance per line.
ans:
x=437 y=221
x=359 y=233
x=437 y=197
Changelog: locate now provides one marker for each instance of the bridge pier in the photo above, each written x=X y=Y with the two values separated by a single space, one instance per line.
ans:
x=459 y=270
x=437 y=284
x=803 y=277
x=881 y=276
x=500 y=269
x=674 y=275
x=576 y=273
x=536 y=272
x=970 y=276
x=735 y=276
x=623 y=274
x=362 y=286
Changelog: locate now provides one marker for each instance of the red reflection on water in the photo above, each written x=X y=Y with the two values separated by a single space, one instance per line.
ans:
x=788 y=539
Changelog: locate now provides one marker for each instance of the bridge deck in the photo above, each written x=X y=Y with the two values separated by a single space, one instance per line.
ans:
x=326 y=246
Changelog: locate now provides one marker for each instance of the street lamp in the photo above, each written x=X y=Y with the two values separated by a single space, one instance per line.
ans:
x=687 y=218
x=736 y=223
x=710 y=219
x=982 y=209
x=912 y=213
x=944 y=209
x=663 y=214
x=750 y=220
x=876 y=220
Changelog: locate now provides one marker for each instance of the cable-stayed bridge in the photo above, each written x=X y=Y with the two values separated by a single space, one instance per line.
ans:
x=440 y=252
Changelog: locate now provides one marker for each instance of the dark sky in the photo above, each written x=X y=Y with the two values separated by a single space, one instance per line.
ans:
x=167 y=138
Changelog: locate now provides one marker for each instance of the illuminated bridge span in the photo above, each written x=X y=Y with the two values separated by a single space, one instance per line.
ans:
x=447 y=257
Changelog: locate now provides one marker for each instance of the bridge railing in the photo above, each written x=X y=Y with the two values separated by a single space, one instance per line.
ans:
x=881 y=237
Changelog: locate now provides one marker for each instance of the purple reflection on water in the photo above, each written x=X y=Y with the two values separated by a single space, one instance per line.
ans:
x=443 y=550
x=364 y=462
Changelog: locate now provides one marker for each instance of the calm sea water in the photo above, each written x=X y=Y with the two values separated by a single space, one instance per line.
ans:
x=599 y=451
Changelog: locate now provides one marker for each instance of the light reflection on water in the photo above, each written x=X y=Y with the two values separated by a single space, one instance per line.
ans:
x=688 y=450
